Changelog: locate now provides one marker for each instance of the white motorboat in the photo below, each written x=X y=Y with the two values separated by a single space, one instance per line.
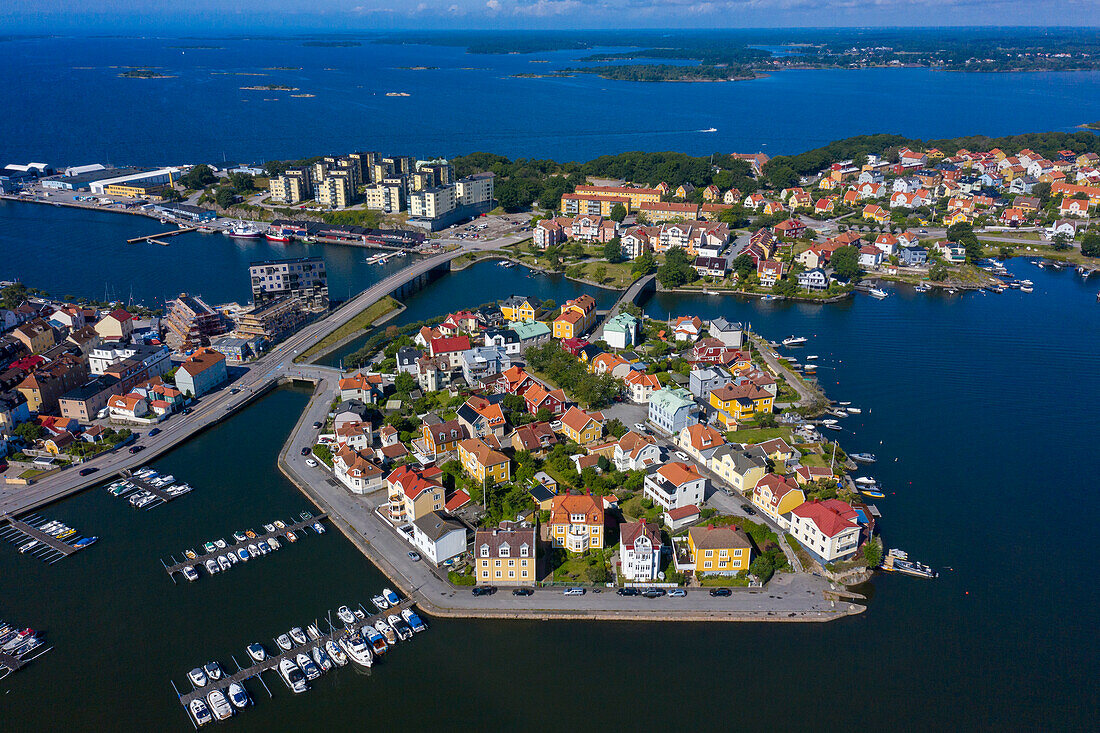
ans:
x=344 y=614
x=243 y=554
x=306 y=665
x=404 y=633
x=862 y=457
x=269 y=528
x=298 y=636
x=257 y=652
x=865 y=481
x=795 y=341
x=357 y=649
x=239 y=696
x=190 y=573
x=379 y=603
x=415 y=622
x=390 y=597
x=197 y=677
x=233 y=559
x=292 y=676
x=253 y=551
x=360 y=614
x=223 y=562
x=878 y=293
x=220 y=544
x=212 y=566
x=829 y=421
x=383 y=628
x=273 y=543
x=219 y=705
x=213 y=671
x=200 y=712
x=854 y=410
x=313 y=632
x=321 y=659
x=318 y=528
x=284 y=642
x=811 y=357
x=335 y=653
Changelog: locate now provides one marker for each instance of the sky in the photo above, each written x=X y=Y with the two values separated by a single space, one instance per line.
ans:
x=66 y=16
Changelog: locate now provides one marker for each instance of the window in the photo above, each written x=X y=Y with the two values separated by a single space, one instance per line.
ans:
x=497 y=563
x=498 y=573
x=511 y=573
x=737 y=553
x=523 y=551
x=706 y=564
x=708 y=553
x=511 y=563
x=485 y=551
x=723 y=553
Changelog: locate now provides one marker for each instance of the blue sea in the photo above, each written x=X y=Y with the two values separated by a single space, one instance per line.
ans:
x=66 y=103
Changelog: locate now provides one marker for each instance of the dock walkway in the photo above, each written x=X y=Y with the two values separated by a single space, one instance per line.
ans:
x=200 y=559
x=272 y=662
x=34 y=533
x=154 y=237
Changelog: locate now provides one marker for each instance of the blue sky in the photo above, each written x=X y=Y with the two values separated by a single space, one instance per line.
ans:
x=345 y=15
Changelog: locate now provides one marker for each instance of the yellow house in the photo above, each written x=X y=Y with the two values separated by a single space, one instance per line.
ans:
x=576 y=522
x=482 y=462
x=776 y=495
x=719 y=550
x=36 y=335
x=505 y=554
x=736 y=403
x=519 y=308
x=135 y=190
x=739 y=467
x=580 y=427
x=635 y=196
x=956 y=217
x=577 y=316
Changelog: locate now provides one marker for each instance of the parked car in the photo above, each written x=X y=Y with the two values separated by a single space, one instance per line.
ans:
x=721 y=592
x=311 y=463
x=235 y=390
x=638 y=427
x=154 y=431
x=573 y=592
x=305 y=451
x=88 y=471
x=318 y=424
x=483 y=590
x=654 y=592
x=748 y=509
x=522 y=592
x=627 y=591
x=677 y=593
x=187 y=411
x=681 y=456
x=414 y=556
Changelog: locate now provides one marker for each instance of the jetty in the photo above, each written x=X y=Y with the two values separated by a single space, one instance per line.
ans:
x=49 y=548
x=162 y=493
x=271 y=663
x=155 y=237
x=199 y=560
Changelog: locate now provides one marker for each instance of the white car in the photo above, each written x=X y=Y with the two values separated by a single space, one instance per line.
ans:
x=573 y=592
x=680 y=455
x=639 y=428
x=310 y=462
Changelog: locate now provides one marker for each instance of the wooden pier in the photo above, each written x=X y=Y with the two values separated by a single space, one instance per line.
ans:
x=140 y=484
x=272 y=662
x=49 y=548
x=200 y=559
x=154 y=237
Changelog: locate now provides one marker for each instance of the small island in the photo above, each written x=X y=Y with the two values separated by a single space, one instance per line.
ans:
x=665 y=72
x=548 y=75
x=199 y=48
x=417 y=68
x=145 y=74
x=1090 y=126
x=270 y=88
x=332 y=44
x=282 y=68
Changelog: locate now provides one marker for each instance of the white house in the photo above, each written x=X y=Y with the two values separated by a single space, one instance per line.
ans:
x=128 y=406
x=635 y=451
x=672 y=409
x=621 y=331
x=826 y=528
x=641 y=386
x=730 y=333
x=438 y=537
x=870 y=257
x=675 y=485
x=814 y=279
x=356 y=472
x=640 y=551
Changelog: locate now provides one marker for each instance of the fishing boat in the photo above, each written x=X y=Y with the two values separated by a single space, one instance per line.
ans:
x=878 y=293
x=243 y=554
x=321 y=659
x=306 y=665
x=292 y=537
x=200 y=712
x=335 y=653
x=257 y=652
x=415 y=622
x=238 y=696
x=197 y=677
x=292 y=676
x=190 y=573
x=862 y=457
x=898 y=561
x=298 y=635
x=213 y=671
x=390 y=596
x=276 y=235
x=795 y=341
x=344 y=614
x=313 y=632
x=357 y=649
x=873 y=493
x=243 y=230
x=284 y=642
x=379 y=603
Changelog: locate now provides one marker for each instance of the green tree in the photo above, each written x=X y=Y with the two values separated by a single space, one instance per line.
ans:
x=963 y=234
x=618 y=213
x=243 y=182
x=677 y=269
x=599 y=272
x=198 y=177
x=1060 y=242
x=644 y=264
x=613 y=250
x=872 y=554
x=615 y=427
x=743 y=266
x=845 y=262
x=404 y=383
x=225 y=197
x=1090 y=244
x=938 y=272
x=29 y=431
x=1004 y=252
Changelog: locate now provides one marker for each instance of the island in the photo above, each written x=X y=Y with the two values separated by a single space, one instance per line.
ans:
x=332 y=44
x=663 y=72
x=145 y=74
x=271 y=88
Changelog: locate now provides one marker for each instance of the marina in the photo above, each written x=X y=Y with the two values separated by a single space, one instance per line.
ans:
x=154 y=237
x=299 y=658
x=18 y=647
x=46 y=540
x=215 y=555
x=146 y=489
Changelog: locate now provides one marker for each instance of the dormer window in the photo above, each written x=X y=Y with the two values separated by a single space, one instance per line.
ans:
x=523 y=551
x=485 y=551
x=505 y=551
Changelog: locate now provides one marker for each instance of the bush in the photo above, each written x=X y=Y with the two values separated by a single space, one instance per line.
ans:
x=459 y=579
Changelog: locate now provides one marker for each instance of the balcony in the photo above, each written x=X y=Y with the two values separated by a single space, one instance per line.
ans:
x=577 y=538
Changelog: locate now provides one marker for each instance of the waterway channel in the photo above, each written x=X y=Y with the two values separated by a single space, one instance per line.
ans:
x=981 y=409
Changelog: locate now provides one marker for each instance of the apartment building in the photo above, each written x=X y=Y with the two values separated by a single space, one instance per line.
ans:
x=302 y=277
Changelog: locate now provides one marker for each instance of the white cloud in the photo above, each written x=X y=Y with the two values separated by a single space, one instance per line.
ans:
x=546 y=8
x=493 y=5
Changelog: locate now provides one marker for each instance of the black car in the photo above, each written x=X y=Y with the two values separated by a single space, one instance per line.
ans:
x=318 y=424
x=235 y=390
x=88 y=471
x=154 y=431
x=721 y=592
x=748 y=509
x=654 y=592
x=627 y=591
x=137 y=448
x=187 y=411
x=305 y=451
x=523 y=592
x=483 y=590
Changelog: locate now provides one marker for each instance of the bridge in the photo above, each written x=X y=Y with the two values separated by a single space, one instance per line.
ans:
x=638 y=293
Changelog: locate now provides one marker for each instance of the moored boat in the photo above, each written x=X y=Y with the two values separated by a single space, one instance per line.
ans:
x=415 y=622
x=284 y=642
x=200 y=712
x=357 y=649
x=197 y=677
x=321 y=659
x=862 y=457
x=345 y=615
x=306 y=665
x=219 y=705
x=383 y=628
x=292 y=676
x=257 y=652
x=313 y=632
x=377 y=641
x=898 y=561
x=878 y=293
x=238 y=696
x=335 y=653
x=379 y=602
x=873 y=493
x=298 y=635
x=390 y=597
x=795 y=341
x=190 y=573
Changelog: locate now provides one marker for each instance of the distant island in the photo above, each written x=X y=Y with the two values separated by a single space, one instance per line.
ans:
x=200 y=48
x=271 y=88
x=547 y=75
x=663 y=72
x=1091 y=126
x=282 y=68
x=332 y=44
x=417 y=68
x=145 y=74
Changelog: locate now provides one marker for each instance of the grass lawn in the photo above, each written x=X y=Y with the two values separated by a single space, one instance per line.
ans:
x=757 y=435
x=1070 y=255
x=723 y=581
x=359 y=323
x=815 y=460
x=573 y=569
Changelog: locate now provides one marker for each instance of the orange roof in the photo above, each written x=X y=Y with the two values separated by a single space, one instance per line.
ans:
x=482 y=453
x=576 y=419
x=679 y=473
x=702 y=436
x=562 y=507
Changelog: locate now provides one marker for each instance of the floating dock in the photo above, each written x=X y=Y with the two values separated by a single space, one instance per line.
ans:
x=199 y=561
x=11 y=661
x=271 y=663
x=161 y=493
x=50 y=549
x=155 y=237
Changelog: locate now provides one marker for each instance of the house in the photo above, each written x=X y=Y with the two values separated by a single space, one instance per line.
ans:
x=548 y=233
x=870 y=257
x=581 y=427
x=731 y=197
x=677 y=519
x=482 y=363
x=576 y=317
x=539 y=398
x=480 y=418
x=687 y=328
x=1013 y=217
x=115 y=326
x=719 y=550
x=886 y=243
x=684 y=190
x=791 y=228
x=639 y=551
x=1029 y=204
x=482 y=462
x=355 y=471
x=612 y=364
x=704 y=380
x=636 y=451
x=810 y=474
x=1066 y=227
x=712 y=193
x=769 y=272
x=449 y=348
x=536 y=438
x=675 y=485
x=640 y=386
x=672 y=409
x=827 y=528
x=439 y=537
x=351 y=411
x=950 y=251
x=825 y=205
x=814 y=279
x=735 y=403
x=439 y=437
x=505 y=555
x=519 y=308
x=355 y=434
x=711 y=266
x=913 y=256
x=37 y=335
x=741 y=467
x=874 y=212
x=622 y=331
x=577 y=522
x=730 y=333
x=128 y=407
x=658 y=211
x=201 y=372
x=412 y=494
x=1074 y=207
x=366 y=388
x=700 y=441
x=776 y=496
